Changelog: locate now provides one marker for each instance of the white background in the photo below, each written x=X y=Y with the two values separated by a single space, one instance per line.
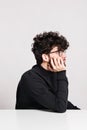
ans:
x=20 y=21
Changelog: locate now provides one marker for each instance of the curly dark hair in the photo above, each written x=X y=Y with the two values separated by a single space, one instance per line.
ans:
x=44 y=42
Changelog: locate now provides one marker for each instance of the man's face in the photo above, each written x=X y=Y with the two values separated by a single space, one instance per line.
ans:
x=54 y=53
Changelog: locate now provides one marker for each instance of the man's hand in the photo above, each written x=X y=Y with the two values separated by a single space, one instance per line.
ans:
x=56 y=65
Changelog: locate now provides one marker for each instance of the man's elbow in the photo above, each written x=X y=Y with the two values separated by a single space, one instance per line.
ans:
x=61 y=110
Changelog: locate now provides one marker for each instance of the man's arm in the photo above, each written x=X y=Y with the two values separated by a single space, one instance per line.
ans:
x=39 y=92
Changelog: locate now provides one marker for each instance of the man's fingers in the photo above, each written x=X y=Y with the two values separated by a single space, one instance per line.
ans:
x=62 y=63
x=52 y=63
x=59 y=61
x=57 y=64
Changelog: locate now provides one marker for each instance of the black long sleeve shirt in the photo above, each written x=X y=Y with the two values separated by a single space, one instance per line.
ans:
x=42 y=89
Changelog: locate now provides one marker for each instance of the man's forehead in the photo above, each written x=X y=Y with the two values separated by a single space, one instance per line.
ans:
x=54 y=48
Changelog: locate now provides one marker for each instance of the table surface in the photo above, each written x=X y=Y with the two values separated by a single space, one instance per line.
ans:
x=42 y=120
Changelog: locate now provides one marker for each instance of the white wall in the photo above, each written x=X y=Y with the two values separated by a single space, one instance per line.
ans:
x=20 y=21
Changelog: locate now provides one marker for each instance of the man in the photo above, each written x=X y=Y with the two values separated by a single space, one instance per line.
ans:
x=45 y=86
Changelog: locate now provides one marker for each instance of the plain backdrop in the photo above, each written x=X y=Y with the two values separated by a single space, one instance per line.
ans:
x=20 y=21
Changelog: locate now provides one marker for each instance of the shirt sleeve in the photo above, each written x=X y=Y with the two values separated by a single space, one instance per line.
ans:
x=40 y=93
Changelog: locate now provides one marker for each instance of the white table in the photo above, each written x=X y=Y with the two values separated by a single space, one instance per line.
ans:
x=42 y=120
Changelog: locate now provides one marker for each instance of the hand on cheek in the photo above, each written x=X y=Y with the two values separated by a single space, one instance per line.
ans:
x=57 y=64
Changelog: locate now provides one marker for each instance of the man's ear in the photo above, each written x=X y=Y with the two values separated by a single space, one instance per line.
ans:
x=45 y=57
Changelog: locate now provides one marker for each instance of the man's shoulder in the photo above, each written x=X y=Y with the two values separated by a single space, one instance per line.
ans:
x=30 y=72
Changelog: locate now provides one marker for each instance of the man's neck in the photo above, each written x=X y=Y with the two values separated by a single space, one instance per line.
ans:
x=44 y=65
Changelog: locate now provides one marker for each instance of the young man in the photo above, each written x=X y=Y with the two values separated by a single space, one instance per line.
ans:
x=45 y=86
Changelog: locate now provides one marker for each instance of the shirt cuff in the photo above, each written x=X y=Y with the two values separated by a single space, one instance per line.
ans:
x=61 y=75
